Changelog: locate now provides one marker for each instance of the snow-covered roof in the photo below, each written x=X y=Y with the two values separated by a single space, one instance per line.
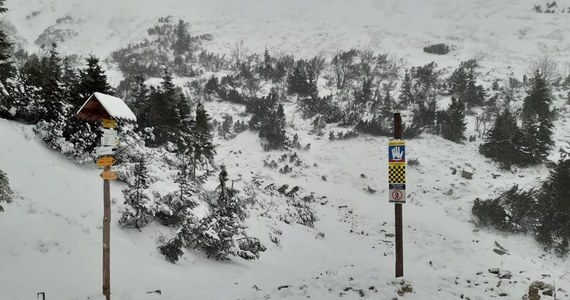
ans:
x=100 y=106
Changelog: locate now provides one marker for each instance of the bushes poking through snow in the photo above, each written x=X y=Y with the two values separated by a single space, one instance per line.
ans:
x=440 y=49
x=545 y=212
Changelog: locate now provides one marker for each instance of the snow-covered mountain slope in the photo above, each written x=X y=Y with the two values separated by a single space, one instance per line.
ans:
x=505 y=34
x=51 y=233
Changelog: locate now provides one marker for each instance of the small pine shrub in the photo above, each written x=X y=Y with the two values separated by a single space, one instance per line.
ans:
x=440 y=49
x=240 y=126
x=543 y=212
x=172 y=249
x=235 y=97
x=6 y=193
x=212 y=86
x=174 y=208
x=512 y=211
x=249 y=248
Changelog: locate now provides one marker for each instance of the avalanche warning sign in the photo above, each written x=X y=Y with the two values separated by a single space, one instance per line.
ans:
x=397 y=171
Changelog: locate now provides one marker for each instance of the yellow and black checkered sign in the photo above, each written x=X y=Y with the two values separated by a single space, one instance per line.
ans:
x=397 y=173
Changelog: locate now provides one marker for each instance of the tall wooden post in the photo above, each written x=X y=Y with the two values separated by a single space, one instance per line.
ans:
x=107 y=236
x=398 y=210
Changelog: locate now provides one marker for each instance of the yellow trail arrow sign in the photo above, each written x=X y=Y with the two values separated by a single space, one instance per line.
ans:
x=109 y=175
x=105 y=161
x=108 y=123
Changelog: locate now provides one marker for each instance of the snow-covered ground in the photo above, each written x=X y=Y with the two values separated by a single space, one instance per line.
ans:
x=51 y=233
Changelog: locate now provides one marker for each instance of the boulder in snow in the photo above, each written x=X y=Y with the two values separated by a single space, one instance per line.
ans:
x=467 y=172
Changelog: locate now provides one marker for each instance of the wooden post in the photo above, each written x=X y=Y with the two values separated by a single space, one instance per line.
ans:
x=107 y=237
x=398 y=210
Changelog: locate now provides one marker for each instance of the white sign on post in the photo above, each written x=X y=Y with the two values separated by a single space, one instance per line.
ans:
x=109 y=137
x=104 y=150
x=109 y=133
x=109 y=141
x=397 y=195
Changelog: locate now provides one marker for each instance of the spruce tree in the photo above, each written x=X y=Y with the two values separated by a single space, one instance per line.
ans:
x=176 y=205
x=266 y=70
x=261 y=109
x=458 y=82
x=39 y=96
x=169 y=114
x=474 y=94
x=273 y=129
x=70 y=81
x=91 y=79
x=406 y=95
x=502 y=141
x=426 y=82
x=387 y=107
x=6 y=68
x=182 y=44
x=454 y=124
x=364 y=95
x=138 y=101
x=536 y=116
x=463 y=84
x=6 y=193
x=298 y=80
x=216 y=233
x=172 y=249
x=425 y=116
x=554 y=208
x=138 y=198
x=51 y=85
x=203 y=147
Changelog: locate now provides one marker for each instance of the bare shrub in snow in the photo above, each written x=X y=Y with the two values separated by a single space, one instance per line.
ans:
x=546 y=67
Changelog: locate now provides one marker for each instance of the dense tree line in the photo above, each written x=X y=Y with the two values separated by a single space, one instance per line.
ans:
x=47 y=91
x=169 y=44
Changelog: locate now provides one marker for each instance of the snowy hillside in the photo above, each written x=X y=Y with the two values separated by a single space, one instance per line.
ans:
x=52 y=231
x=504 y=34
x=50 y=237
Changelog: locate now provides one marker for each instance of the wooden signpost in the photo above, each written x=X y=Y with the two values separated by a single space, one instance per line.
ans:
x=397 y=187
x=105 y=161
x=106 y=108
x=108 y=123
x=108 y=174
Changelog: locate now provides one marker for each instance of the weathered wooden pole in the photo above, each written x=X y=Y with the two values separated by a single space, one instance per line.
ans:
x=107 y=236
x=398 y=209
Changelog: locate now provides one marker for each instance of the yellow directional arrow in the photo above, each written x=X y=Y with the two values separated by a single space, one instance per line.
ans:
x=109 y=175
x=105 y=161
x=108 y=123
